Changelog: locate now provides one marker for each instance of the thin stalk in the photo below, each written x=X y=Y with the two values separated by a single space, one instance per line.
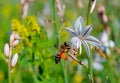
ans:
x=90 y=68
x=64 y=72
x=90 y=57
x=9 y=67
x=56 y=35
x=56 y=23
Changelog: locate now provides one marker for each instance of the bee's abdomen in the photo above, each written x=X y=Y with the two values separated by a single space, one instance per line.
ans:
x=57 y=58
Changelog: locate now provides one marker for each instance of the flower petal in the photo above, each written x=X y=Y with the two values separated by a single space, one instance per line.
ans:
x=71 y=31
x=79 y=25
x=86 y=47
x=87 y=30
x=104 y=39
x=111 y=44
x=97 y=66
x=76 y=42
x=92 y=40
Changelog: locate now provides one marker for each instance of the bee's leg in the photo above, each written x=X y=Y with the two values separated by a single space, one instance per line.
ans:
x=75 y=59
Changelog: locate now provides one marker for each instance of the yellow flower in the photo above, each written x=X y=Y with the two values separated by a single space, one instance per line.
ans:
x=17 y=27
x=33 y=25
x=21 y=30
x=27 y=31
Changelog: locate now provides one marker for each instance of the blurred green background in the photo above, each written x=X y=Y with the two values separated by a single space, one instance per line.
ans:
x=37 y=50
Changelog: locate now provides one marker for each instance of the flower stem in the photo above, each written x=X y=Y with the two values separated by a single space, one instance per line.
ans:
x=90 y=57
x=90 y=69
x=9 y=67
x=56 y=35
x=64 y=72
x=55 y=17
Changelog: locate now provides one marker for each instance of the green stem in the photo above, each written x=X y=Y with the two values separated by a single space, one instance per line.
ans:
x=55 y=17
x=90 y=57
x=56 y=35
x=64 y=72
x=9 y=67
x=90 y=68
x=88 y=11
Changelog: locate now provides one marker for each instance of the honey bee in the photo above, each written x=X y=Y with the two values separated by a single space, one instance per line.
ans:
x=61 y=52
x=66 y=49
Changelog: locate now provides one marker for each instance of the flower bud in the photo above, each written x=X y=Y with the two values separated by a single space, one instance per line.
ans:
x=60 y=8
x=14 y=43
x=101 y=9
x=25 y=10
x=14 y=60
x=13 y=37
x=93 y=2
x=6 y=50
x=25 y=6
x=80 y=3
x=105 y=19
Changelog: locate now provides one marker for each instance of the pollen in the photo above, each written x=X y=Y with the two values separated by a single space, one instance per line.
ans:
x=63 y=55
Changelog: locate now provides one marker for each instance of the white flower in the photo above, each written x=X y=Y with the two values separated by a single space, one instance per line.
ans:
x=111 y=44
x=107 y=43
x=97 y=62
x=97 y=66
x=81 y=35
x=42 y=20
